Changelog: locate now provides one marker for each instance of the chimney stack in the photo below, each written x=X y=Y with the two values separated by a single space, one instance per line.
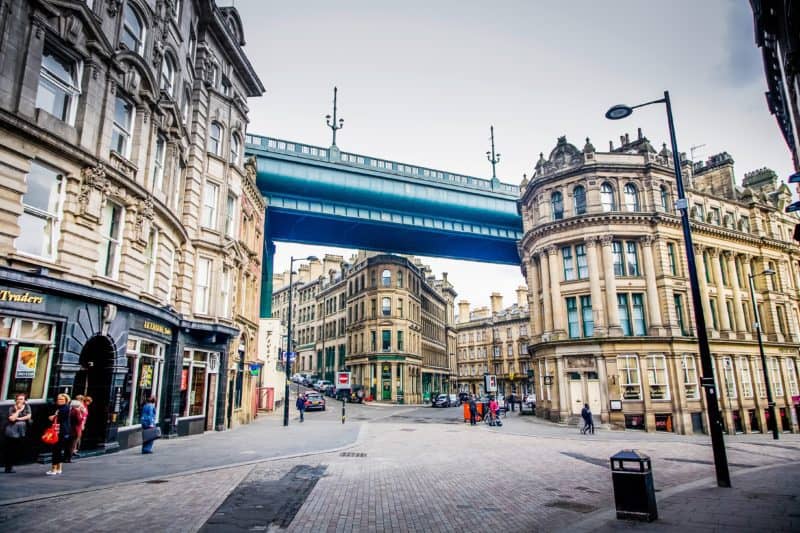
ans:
x=497 y=302
x=463 y=311
x=640 y=133
x=522 y=297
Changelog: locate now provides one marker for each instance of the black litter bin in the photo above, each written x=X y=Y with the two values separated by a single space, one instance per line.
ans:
x=634 y=493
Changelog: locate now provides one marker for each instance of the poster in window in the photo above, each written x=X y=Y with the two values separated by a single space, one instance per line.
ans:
x=146 y=379
x=26 y=362
x=185 y=379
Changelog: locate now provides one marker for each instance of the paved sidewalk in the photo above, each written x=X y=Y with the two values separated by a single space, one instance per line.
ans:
x=264 y=439
x=761 y=500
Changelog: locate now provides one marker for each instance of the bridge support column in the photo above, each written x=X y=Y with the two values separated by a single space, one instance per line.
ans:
x=267 y=269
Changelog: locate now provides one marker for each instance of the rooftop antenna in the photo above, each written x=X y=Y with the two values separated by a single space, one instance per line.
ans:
x=491 y=156
x=332 y=124
x=692 y=149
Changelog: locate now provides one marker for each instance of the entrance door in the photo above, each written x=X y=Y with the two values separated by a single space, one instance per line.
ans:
x=94 y=379
x=387 y=389
x=576 y=395
x=697 y=422
x=593 y=387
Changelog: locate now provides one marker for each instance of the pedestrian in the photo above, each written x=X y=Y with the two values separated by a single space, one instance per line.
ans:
x=493 y=408
x=75 y=421
x=513 y=401
x=473 y=410
x=148 y=420
x=62 y=449
x=87 y=401
x=79 y=403
x=588 y=424
x=19 y=416
x=301 y=405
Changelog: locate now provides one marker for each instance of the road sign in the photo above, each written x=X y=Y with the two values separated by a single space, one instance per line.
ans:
x=490 y=382
x=342 y=380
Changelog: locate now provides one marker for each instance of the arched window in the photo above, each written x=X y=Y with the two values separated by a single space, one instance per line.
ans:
x=631 y=197
x=386 y=278
x=168 y=75
x=607 y=197
x=133 y=30
x=557 y=205
x=215 y=138
x=579 y=199
x=665 y=198
x=400 y=280
x=235 y=146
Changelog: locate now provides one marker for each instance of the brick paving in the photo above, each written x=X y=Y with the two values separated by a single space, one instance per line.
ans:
x=423 y=471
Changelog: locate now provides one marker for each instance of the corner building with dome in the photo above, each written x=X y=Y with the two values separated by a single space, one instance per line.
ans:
x=612 y=323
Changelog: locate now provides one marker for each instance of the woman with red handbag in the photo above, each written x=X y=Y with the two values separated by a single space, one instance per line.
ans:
x=62 y=449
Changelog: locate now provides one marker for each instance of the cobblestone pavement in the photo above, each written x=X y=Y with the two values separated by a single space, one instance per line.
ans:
x=420 y=469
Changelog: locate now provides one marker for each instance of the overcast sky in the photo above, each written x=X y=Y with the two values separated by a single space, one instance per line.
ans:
x=420 y=82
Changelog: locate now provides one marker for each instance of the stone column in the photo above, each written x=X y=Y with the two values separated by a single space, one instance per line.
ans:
x=612 y=310
x=701 y=277
x=555 y=292
x=737 y=322
x=561 y=379
x=533 y=289
x=600 y=361
x=653 y=302
x=724 y=318
x=392 y=386
x=548 y=302
x=593 y=263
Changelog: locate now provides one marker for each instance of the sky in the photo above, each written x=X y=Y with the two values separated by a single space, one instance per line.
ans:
x=421 y=82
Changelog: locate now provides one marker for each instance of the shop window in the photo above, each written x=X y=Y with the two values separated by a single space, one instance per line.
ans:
x=143 y=379
x=628 y=366
x=59 y=85
x=657 y=377
x=197 y=366
x=690 y=384
x=634 y=422
x=111 y=230
x=26 y=348
x=40 y=220
x=664 y=422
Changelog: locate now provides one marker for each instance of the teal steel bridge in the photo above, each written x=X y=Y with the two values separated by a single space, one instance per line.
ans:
x=329 y=197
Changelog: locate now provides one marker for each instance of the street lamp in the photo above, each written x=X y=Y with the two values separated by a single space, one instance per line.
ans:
x=717 y=443
x=770 y=401
x=289 y=351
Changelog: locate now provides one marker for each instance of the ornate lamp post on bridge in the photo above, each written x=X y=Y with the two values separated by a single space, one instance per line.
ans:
x=332 y=124
x=493 y=159
x=717 y=443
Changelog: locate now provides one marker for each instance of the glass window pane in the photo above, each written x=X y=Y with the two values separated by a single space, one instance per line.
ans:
x=28 y=370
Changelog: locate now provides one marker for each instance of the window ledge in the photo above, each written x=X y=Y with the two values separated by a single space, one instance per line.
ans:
x=35 y=261
x=105 y=282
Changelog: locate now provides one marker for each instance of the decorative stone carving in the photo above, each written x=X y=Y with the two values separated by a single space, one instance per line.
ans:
x=144 y=219
x=606 y=240
x=95 y=187
x=647 y=240
x=113 y=7
x=591 y=241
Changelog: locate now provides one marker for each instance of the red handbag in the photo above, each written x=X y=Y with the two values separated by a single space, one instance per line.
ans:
x=50 y=435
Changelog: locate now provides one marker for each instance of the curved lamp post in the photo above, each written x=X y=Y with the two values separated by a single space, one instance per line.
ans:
x=770 y=401
x=289 y=352
x=718 y=444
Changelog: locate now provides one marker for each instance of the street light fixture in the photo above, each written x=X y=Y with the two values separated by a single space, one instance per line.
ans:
x=717 y=443
x=770 y=401
x=289 y=352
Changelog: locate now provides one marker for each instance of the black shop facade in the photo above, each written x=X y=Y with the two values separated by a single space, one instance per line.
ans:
x=57 y=336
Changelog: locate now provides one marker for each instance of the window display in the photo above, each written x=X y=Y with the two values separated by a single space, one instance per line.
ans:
x=26 y=348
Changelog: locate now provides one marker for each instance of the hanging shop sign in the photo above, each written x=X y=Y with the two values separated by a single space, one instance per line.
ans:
x=255 y=369
x=26 y=362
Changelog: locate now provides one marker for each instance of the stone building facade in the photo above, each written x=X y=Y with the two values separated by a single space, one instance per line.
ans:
x=494 y=341
x=383 y=317
x=126 y=215
x=611 y=315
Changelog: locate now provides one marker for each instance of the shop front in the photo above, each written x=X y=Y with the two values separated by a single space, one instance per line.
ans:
x=57 y=336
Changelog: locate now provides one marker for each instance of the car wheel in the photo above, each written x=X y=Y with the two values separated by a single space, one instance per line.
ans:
x=323 y=407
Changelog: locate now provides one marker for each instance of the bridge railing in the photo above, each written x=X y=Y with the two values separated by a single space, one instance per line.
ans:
x=270 y=144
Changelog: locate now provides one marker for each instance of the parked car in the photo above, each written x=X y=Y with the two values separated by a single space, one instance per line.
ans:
x=321 y=385
x=455 y=401
x=297 y=378
x=434 y=396
x=329 y=390
x=445 y=400
x=530 y=401
x=309 y=380
x=315 y=400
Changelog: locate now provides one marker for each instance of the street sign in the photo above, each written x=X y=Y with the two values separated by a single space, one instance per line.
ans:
x=490 y=382
x=292 y=356
x=342 y=380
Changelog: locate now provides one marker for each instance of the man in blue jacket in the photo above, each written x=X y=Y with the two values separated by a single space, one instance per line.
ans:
x=301 y=405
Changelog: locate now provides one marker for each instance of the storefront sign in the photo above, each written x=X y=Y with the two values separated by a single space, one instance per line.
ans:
x=616 y=405
x=26 y=362
x=7 y=295
x=158 y=328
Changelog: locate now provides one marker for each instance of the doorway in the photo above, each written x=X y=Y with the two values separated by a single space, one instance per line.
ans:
x=94 y=379
x=697 y=423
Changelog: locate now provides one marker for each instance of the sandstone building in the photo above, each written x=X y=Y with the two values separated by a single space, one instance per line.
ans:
x=611 y=316
x=130 y=232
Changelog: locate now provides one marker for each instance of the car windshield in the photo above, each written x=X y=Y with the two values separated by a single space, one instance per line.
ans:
x=314 y=396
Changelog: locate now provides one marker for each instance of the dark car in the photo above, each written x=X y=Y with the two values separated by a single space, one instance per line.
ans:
x=434 y=395
x=445 y=400
x=315 y=400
